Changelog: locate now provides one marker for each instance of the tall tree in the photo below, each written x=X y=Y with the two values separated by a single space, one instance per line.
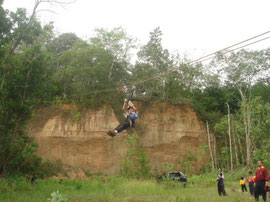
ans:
x=153 y=61
x=24 y=81
x=62 y=43
x=242 y=70
x=22 y=28
x=153 y=52
x=118 y=43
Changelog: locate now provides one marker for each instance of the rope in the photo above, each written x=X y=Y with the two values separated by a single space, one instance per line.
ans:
x=201 y=59
x=246 y=40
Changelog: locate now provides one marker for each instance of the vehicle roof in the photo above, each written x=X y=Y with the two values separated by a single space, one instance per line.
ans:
x=176 y=172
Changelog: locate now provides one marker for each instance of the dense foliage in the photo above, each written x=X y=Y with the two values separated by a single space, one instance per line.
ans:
x=37 y=66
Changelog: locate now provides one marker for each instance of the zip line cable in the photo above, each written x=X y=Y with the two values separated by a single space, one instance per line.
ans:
x=240 y=47
x=246 y=40
x=170 y=71
x=201 y=59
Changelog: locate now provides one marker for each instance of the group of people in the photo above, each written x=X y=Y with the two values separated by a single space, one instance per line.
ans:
x=258 y=184
x=251 y=181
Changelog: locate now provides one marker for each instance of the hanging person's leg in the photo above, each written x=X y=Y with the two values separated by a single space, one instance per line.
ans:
x=119 y=128
x=122 y=126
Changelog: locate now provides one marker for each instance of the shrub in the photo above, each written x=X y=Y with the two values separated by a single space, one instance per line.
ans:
x=49 y=169
x=135 y=162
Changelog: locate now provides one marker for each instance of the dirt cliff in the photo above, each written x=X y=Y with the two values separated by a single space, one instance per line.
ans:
x=78 y=136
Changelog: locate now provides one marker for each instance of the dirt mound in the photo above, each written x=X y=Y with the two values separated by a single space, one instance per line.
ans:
x=75 y=173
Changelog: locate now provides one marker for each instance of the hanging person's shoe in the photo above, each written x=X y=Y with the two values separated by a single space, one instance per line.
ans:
x=111 y=133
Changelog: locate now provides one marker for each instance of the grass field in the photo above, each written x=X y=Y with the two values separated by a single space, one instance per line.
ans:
x=113 y=188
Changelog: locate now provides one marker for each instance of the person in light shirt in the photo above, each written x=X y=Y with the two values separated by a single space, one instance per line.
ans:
x=251 y=180
x=131 y=115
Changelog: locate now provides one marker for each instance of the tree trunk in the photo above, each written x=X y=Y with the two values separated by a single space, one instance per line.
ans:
x=246 y=118
x=240 y=147
x=226 y=158
x=215 y=151
x=110 y=74
x=210 y=148
x=235 y=146
x=248 y=139
x=26 y=86
x=230 y=138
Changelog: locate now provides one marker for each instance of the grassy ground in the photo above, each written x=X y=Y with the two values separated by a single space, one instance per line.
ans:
x=112 y=188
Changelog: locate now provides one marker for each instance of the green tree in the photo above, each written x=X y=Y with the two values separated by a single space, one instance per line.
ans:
x=25 y=81
x=153 y=61
x=242 y=70
x=62 y=43
x=84 y=70
x=260 y=122
x=117 y=43
x=5 y=24
x=154 y=54
x=183 y=82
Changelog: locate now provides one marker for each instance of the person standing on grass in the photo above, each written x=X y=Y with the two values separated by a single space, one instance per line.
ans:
x=260 y=181
x=220 y=183
x=243 y=184
x=251 y=179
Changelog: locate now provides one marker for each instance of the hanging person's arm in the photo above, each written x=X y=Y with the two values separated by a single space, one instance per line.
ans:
x=130 y=104
x=135 y=109
x=125 y=106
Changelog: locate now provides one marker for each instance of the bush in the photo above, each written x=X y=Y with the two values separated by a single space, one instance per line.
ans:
x=135 y=163
x=49 y=169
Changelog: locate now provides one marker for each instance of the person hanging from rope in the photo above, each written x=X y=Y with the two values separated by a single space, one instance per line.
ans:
x=131 y=115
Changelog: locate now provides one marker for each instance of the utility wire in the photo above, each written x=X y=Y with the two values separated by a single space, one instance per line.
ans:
x=201 y=59
x=246 y=40
x=213 y=55
x=239 y=47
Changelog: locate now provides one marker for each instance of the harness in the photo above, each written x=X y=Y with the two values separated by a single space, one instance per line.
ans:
x=131 y=117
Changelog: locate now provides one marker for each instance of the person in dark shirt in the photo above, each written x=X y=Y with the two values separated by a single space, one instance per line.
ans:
x=260 y=181
x=220 y=183
x=33 y=178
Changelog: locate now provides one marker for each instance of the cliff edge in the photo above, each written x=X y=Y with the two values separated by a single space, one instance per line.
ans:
x=78 y=137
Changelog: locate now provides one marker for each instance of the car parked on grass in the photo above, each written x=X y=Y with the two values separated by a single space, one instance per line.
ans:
x=173 y=175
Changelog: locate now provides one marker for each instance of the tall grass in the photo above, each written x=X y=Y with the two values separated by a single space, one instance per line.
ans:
x=112 y=188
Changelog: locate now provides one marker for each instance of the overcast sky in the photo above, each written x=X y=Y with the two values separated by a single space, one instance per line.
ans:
x=192 y=27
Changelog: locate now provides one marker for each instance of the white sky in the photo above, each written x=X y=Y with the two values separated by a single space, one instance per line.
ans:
x=191 y=27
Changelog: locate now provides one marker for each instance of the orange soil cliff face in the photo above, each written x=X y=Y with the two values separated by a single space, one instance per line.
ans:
x=168 y=133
